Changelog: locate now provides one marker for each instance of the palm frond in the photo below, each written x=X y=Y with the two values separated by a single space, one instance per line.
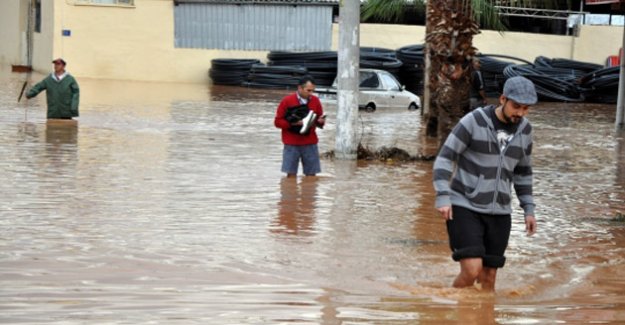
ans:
x=387 y=10
x=485 y=12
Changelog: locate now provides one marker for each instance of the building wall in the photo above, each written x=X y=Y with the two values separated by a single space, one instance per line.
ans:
x=131 y=43
x=595 y=43
x=44 y=42
x=525 y=46
x=137 y=43
x=385 y=36
x=12 y=32
x=13 y=26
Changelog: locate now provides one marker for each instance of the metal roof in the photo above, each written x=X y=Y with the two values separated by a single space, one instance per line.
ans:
x=273 y=2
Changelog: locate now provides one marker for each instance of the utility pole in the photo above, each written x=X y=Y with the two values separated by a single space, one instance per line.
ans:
x=427 y=67
x=348 y=65
x=620 y=103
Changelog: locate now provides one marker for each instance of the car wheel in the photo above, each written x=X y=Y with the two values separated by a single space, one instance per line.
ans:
x=370 y=108
x=413 y=107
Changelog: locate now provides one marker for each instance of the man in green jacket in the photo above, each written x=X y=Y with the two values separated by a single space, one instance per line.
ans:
x=62 y=92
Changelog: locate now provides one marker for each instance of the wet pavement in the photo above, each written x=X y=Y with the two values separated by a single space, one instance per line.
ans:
x=165 y=204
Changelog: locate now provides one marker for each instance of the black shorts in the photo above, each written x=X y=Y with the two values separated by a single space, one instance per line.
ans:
x=472 y=234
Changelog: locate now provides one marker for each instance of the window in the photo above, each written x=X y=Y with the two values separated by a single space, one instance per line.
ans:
x=390 y=82
x=369 y=79
x=107 y=2
x=37 y=13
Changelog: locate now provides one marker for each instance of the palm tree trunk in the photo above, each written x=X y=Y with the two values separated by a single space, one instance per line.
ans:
x=449 y=36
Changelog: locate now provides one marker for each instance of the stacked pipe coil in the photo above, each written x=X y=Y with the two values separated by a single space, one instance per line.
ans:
x=378 y=51
x=567 y=64
x=382 y=59
x=492 y=72
x=601 y=85
x=284 y=76
x=568 y=80
x=555 y=79
x=320 y=65
x=323 y=65
x=230 y=71
x=412 y=71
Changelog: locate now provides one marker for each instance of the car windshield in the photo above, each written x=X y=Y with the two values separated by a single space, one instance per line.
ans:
x=369 y=79
x=390 y=81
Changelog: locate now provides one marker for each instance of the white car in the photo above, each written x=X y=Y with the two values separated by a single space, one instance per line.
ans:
x=380 y=89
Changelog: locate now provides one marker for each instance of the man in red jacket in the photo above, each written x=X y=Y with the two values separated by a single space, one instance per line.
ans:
x=298 y=115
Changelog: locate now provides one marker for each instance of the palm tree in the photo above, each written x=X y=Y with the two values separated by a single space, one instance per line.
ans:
x=449 y=43
x=450 y=27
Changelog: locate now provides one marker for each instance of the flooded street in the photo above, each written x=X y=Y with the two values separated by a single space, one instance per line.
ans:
x=165 y=204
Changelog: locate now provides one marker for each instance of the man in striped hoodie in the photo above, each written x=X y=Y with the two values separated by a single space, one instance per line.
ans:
x=487 y=152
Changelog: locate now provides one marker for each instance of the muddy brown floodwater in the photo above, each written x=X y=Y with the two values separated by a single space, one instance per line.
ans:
x=165 y=204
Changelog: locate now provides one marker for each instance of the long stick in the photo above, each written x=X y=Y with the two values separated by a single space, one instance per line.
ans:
x=26 y=108
x=20 y=98
x=22 y=91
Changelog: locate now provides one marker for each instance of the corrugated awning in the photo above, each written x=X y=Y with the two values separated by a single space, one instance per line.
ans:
x=275 y=2
x=602 y=2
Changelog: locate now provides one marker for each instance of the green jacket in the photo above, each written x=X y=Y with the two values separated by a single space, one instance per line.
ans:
x=62 y=96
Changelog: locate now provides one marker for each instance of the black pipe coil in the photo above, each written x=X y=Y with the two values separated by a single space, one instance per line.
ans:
x=411 y=73
x=555 y=79
x=230 y=71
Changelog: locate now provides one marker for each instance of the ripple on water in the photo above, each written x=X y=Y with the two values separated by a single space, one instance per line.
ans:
x=172 y=209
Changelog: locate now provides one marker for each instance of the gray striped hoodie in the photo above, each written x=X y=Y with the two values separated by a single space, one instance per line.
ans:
x=472 y=171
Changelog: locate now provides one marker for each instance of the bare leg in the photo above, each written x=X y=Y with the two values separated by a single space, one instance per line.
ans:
x=487 y=278
x=470 y=269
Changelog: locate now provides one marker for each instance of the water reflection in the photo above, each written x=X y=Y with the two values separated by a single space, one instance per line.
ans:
x=61 y=132
x=27 y=130
x=619 y=180
x=478 y=309
x=296 y=208
x=248 y=95
x=428 y=229
x=61 y=154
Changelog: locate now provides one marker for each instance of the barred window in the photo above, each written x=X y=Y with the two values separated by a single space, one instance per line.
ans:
x=107 y=2
x=37 y=14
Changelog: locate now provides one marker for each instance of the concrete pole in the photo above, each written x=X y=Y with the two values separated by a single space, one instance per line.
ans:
x=30 y=30
x=347 y=95
x=426 y=81
x=620 y=103
x=427 y=66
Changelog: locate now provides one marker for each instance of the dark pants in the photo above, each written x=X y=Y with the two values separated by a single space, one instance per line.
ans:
x=479 y=235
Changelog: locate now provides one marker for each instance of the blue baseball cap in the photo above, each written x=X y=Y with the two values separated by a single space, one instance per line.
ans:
x=520 y=90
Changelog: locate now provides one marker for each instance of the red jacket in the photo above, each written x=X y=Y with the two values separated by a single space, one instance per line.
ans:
x=291 y=138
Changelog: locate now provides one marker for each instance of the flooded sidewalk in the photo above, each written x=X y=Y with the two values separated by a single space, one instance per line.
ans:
x=165 y=204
